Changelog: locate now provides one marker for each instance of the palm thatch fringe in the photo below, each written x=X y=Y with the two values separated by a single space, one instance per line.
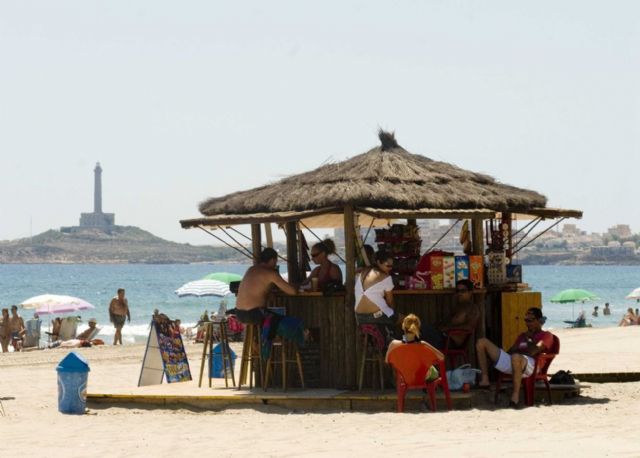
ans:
x=386 y=176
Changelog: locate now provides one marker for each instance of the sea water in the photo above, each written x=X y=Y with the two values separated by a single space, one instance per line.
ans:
x=150 y=287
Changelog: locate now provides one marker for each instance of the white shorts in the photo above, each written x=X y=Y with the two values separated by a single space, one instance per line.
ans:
x=504 y=364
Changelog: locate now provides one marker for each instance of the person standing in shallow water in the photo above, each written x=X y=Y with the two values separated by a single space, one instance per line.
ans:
x=118 y=313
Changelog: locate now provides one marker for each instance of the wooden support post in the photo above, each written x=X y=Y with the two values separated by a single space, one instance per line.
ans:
x=268 y=235
x=477 y=236
x=292 y=253
x=256 y=242
x=350 y=252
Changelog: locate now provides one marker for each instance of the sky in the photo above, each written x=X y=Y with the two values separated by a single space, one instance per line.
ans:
x=181 y=101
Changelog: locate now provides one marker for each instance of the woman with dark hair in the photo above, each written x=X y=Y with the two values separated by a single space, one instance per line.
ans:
x=374 y=300
x=326 y=272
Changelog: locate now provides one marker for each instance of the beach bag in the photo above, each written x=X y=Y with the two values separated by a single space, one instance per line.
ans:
x=562 y=377
x=461 y=375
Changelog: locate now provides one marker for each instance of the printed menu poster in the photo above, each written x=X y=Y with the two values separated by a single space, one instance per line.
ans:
x=165 y=354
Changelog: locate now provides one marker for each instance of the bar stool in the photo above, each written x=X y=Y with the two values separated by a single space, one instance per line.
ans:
x=453 y=353
x=287 y=349
x=207 y=351
x=370 y=335
x=250 y=352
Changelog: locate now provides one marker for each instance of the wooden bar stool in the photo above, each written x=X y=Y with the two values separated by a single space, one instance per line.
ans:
x=250 y=352
x=370 y=353
x=288 y=350
x=207 y=351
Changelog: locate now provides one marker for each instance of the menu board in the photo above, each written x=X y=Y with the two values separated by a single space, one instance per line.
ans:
x=165 y=354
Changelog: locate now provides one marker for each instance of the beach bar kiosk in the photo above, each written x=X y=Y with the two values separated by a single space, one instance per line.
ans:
x=387 y=190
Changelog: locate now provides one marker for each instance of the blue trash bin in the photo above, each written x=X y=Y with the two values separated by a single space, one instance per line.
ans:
x=73 y=371
x=216 y=366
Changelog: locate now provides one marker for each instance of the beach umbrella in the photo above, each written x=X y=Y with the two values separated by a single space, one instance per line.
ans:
x=635 y=294
x=50 y=304
x=224 y=277
x=201 y=288
x=572 y=296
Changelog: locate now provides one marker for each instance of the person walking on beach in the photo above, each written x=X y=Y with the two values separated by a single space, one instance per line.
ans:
x=118 y=312
x=16 y=328
x=4 y=331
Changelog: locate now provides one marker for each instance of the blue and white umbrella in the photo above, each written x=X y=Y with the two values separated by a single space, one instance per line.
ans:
x=201 y=288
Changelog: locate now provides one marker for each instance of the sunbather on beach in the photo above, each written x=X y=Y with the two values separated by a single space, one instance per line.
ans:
x=4 y=331
x=118 y=313
x=629 y=318
x=518 y=361
x=16 y=329
x=90 y=331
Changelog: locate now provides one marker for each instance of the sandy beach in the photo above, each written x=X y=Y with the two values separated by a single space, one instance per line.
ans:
x=602 y=421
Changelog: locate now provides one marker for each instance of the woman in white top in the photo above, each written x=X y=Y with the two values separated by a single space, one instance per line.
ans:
x=374 y=300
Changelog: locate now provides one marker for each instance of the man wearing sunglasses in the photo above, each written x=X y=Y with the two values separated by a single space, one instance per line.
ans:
x=518 y=361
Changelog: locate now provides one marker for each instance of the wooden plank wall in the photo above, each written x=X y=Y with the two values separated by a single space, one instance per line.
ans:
x=334 y=321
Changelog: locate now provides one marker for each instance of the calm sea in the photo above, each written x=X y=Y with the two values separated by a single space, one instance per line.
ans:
x=152 y=286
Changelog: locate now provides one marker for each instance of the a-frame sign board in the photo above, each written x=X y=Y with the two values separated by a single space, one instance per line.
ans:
x=164 y=356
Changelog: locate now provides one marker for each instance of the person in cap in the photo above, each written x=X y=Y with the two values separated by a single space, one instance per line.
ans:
x=518 y=360
x=88 y=333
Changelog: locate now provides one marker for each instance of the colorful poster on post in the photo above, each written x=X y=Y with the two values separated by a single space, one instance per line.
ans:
x=165 y=354
x=437 y=272
x=462 y=268
x=448 y=272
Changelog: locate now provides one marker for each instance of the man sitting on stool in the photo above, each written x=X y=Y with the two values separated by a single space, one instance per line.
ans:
x=256 y=286
x=518 y=361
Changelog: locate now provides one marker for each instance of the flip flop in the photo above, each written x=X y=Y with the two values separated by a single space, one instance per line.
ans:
x=514 y=405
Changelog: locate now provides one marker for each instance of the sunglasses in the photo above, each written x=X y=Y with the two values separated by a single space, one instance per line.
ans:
x=313 y=255
x=529 y=320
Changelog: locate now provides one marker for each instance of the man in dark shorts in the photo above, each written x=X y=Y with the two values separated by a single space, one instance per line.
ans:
x=256 y=286
x=118 y=313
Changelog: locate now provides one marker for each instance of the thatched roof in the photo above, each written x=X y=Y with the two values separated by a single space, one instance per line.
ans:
x=385 y=177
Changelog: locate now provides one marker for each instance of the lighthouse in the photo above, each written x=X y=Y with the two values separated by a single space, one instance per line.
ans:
x=97 y=219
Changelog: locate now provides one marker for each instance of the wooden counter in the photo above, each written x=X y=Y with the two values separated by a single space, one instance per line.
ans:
x=335 y=343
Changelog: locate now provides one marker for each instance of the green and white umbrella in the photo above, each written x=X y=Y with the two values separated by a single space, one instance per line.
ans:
x=224 y=277
x=572 y=296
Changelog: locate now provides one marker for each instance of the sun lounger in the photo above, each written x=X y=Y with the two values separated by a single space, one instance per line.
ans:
x=68 y=328
x=32 y=335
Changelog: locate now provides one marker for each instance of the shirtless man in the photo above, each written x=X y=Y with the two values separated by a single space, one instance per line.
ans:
x=465 y=315
x=16 y=328
x=256 y=286
x=118 y=312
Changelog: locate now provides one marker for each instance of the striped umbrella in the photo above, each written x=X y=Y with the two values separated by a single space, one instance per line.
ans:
x=200 y=288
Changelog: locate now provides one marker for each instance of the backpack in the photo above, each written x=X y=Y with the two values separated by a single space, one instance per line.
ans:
x=461 y=375
x=562 y=378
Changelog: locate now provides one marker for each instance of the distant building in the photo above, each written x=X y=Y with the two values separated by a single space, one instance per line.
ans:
x=620 y=230
x=97 y=219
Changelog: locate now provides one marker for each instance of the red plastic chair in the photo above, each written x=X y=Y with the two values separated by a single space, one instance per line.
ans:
x=452 y=352
x=542 y=363
x=411 y=363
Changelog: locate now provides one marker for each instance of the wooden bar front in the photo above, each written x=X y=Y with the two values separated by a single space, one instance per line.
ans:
x=333 y=330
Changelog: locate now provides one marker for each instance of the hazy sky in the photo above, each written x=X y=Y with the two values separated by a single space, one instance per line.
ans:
x=181 y=101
